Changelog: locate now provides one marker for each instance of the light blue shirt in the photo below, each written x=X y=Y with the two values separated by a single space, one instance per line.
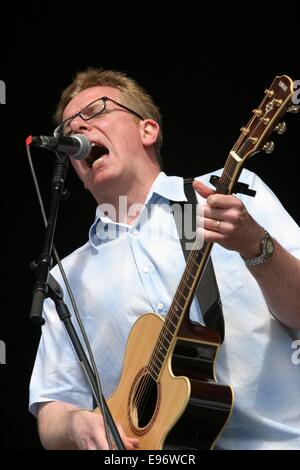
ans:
x=124 y=271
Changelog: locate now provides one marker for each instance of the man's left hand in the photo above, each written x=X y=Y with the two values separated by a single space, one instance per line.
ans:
x=225 y=220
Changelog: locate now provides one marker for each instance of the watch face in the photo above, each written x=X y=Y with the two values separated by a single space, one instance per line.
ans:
x=269 y=247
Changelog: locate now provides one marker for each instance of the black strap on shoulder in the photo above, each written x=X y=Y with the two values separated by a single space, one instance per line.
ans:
x=207 y=292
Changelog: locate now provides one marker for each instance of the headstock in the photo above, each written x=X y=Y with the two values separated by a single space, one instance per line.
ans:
x=266 y=119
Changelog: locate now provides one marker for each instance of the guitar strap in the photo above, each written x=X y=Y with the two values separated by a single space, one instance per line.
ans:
x=207 y=292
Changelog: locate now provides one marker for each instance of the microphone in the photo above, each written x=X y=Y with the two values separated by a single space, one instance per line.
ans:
x=76 y=146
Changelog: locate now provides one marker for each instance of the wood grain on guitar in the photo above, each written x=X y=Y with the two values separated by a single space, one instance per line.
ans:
x=168 y=396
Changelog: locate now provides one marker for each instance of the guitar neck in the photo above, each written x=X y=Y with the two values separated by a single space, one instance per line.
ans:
x=276 y=102
x=190 y=279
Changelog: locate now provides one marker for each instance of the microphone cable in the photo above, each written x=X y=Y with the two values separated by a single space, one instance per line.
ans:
x=73 y=302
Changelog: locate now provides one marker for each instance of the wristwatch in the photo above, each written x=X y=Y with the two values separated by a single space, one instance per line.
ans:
x=267 y=249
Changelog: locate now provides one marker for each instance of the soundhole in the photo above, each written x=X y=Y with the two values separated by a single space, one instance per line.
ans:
x=144 y=399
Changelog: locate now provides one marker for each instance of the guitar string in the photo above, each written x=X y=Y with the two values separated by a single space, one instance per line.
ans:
x=162 y=339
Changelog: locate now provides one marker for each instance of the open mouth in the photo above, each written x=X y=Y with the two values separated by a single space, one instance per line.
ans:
x=97 y=152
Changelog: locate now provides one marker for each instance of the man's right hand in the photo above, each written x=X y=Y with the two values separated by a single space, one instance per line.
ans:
x=86 y=430
x=64 y=426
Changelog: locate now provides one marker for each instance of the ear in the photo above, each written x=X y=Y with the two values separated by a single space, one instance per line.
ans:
x=149 y=132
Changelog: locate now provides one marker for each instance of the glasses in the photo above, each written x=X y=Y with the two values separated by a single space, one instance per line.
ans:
x=95 y=108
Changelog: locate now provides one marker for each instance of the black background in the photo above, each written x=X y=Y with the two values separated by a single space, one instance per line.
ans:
x=206 y=68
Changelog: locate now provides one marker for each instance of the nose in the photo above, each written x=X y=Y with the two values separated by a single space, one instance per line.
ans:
x=78 y=125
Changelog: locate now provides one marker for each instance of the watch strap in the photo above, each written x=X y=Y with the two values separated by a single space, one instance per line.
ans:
x=260 y=259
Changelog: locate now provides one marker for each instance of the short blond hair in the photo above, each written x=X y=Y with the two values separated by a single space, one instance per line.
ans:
x=133 y=95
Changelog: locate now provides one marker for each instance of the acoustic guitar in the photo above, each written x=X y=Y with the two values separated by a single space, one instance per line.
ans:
x=168 y=396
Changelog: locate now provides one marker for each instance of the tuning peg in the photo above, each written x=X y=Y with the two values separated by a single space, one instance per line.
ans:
x=294 y=109
x=257 y=112
x=269 y=92
x=269 y=147
x=281 y=127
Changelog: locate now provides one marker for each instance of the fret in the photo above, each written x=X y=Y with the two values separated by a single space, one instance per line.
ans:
x=173 y=324
x=173 y=319
x=170 y=328
x=153 y=371
x=183 y=291
x=163 y=343
x=163 y=346
x=159 y=355
x=159 y=359
x=185 y=282
x=173 y=314
x=177 y=302
x=190 y=275
x=149 y=372
x=200 y=254
x=155 y=367
x=154 y=374
x=167 y=334
x=192 y=259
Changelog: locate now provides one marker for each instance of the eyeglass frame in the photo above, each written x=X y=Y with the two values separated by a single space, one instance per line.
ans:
x=104 y=99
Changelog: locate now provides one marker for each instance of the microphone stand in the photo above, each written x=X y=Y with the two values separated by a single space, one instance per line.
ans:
x=47 y=286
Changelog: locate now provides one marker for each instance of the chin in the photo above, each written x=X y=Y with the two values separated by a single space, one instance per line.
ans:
x=105 y=177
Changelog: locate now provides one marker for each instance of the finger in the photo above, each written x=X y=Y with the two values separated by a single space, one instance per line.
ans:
x=94 y=443
x=133 y=440
x=210 y=235
x=99 y=444
x=206 y=211
x=129 y=442
x=132 y=443
x=202 y=189
x=215 y=225
x=223 y=201
x=92 y=446
x=214 y=213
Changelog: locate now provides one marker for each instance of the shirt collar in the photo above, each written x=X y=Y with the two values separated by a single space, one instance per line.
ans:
x=169 y=187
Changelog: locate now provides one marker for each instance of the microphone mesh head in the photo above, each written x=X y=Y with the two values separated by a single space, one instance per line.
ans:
x=84 y=149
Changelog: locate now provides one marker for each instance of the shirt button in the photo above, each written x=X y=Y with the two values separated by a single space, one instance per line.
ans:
x=146 y=269
x=160 y=306
x=135 y=232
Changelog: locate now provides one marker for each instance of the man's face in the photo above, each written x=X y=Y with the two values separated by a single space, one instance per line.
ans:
x=117 y=135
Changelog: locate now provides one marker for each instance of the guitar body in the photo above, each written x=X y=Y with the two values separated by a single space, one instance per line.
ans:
x=210 y=403
x=172 y=411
